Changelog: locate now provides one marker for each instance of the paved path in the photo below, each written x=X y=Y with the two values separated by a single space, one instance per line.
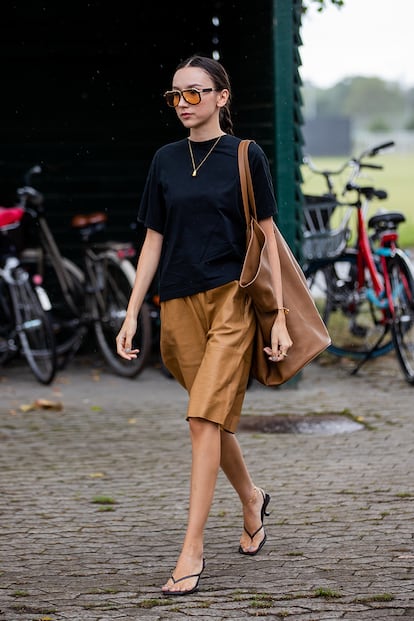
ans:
x=94 y=497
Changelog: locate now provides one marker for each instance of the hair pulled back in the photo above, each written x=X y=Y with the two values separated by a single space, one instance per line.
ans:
x=221 y=81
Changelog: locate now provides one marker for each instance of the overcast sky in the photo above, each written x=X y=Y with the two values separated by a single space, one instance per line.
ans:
x=364 y=37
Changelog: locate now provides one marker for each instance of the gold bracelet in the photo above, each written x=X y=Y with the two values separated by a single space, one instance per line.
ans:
x=284 y=309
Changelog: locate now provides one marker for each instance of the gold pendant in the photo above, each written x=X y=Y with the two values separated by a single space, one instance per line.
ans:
x=195 y=168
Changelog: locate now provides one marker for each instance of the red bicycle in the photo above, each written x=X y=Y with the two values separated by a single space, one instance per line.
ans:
x=364 y=289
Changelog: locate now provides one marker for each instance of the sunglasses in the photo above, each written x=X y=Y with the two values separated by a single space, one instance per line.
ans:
x=190 y=95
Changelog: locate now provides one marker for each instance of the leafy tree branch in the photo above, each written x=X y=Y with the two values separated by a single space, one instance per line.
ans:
x=322 y=4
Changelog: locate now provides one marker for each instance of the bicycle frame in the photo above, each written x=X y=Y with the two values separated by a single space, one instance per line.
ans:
x=50 y=247
x=95 y=280
x=365 y=259
x=383 y=292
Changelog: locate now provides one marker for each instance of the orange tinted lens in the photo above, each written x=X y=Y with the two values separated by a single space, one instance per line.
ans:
x=172 y=98
x=192 y=96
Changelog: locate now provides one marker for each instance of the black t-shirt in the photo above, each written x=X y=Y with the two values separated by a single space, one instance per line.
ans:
x=202 y=217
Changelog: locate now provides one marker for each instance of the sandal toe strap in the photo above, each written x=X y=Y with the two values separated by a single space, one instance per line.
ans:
x=255 y=532
x=184 y=578
x=190 y=575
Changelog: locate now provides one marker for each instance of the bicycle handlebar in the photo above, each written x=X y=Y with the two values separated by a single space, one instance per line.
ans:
x=356 y=165
x=27 y=192
x=34 y=170
x=368 y=191
x=380 y=147
x=309 y=163
x=373 y=151
x=374 y=166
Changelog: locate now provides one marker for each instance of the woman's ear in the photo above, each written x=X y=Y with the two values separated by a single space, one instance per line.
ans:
x=222 y=97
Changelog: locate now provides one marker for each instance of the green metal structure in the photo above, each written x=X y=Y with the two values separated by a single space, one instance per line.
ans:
x=82 y=95
x=288 y=119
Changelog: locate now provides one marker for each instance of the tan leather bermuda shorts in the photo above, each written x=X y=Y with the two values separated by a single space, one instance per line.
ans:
x=206 y=343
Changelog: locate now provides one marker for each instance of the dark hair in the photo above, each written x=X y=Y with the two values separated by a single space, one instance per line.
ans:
x=221 y=81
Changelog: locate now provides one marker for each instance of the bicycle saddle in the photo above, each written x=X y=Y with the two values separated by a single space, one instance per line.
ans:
x=389 y=219
x=10 y=215
x=81 y=221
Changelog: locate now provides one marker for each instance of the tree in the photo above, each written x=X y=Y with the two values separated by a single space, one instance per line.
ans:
x=372 y=98
x=323 y=3
x=366 y=100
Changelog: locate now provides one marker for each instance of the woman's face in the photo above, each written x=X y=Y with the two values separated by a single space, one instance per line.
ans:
x=207 y=110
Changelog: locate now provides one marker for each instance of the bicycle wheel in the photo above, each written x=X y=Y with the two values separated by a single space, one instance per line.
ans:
x=402 y=286
x=110 y=306
x=33 y=328
x=356 y=326
x=9 y=348
x=64 y=284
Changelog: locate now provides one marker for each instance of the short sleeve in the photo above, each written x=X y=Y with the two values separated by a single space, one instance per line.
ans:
x=151 y=212
x=262 y=182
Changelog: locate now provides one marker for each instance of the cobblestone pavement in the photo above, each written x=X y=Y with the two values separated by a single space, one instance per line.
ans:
x=94 y=498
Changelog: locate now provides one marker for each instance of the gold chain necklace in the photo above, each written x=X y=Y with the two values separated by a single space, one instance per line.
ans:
x=196 y=168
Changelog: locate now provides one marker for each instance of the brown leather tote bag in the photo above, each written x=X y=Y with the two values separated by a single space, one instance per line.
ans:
x=306 y=328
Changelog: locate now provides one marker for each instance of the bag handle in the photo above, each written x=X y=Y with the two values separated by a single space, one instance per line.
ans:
x=246 y=183
x=249 y=202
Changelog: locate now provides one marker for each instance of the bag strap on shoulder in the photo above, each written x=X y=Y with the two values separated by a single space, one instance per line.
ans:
x=246 y=183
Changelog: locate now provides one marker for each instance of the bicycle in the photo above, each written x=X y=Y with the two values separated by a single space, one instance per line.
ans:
x=89 y=296
x=364 y=290
x=24 y=324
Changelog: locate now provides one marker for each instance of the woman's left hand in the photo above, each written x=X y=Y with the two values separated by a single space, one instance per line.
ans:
x=281 y=342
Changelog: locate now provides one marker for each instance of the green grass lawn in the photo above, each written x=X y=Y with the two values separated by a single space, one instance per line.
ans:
x=397 y=178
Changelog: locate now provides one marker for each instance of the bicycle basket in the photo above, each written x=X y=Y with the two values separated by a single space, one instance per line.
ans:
x=320 y=238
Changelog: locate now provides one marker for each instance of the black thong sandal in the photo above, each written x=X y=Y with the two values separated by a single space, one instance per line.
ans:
x=186 y=591
x=263 y=512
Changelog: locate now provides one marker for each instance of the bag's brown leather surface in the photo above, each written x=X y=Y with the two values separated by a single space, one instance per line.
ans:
x=305 y=325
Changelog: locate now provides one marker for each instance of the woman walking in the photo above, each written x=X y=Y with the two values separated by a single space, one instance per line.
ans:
x=196 y=237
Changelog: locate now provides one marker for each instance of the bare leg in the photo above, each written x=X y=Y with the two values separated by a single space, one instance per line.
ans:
x=235 y=469
x=205 y=441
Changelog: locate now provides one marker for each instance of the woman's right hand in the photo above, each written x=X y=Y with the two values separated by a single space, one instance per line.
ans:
x=146 y=268
x=124 y=339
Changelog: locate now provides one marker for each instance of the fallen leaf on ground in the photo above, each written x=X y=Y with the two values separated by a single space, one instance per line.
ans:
x=42 y=404
x=45 y=404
